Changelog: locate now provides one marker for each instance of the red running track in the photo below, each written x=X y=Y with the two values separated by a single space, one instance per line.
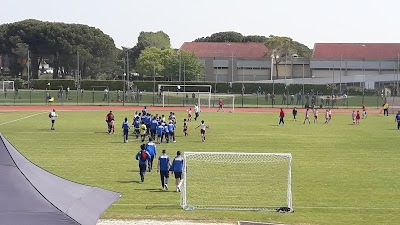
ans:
x=139 y=108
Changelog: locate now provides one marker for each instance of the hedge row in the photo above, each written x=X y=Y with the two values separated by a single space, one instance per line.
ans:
x=220 y=87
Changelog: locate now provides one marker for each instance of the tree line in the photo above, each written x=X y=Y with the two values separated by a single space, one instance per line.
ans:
x=67 y=47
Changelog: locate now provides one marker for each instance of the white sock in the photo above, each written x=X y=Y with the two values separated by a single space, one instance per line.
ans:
x=166 y=181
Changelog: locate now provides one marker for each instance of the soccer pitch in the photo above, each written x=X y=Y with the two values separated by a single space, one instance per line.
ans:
x=341 y=173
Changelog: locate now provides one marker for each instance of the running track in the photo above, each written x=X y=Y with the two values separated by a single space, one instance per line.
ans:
x=139 y=108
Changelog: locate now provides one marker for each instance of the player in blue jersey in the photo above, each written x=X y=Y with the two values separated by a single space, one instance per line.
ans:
x=151 y=148
x=163 y=167
x=136 y=124
x=160 y=132
x=147 y=121
x=171 y=129
x=153 y=127
x=142 y=156
x=398 y=120
x=125 y=129
x=166 y=132
x=177 y=169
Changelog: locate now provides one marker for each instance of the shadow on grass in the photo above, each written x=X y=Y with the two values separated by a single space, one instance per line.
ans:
x=171 y=206
x=128 y=181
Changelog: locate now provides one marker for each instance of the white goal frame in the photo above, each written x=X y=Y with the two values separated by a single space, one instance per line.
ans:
x=209 y=87
x=218 y=157
x=7 y=83
x=170 y=93
x=211 y=96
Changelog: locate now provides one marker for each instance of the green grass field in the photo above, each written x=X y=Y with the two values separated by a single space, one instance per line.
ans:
x=341 y=174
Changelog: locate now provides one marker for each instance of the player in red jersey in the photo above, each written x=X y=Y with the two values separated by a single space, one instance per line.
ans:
x=185 y=127
x=281 y=117
x=110 y=122
x=358 y=117
x=364 y=113
x=221 y=105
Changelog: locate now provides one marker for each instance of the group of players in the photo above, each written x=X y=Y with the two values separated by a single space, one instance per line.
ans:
x=159 y=129
x=146 y=156
x=356 y=115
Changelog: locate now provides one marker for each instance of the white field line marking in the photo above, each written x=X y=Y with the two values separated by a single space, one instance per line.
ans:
x=340 y=207
x=26 y=117
x=298 y=207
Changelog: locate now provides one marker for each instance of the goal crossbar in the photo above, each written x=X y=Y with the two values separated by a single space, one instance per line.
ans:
x=204 y=87
x=181 y=95
x=244 y=171
x=210 y=97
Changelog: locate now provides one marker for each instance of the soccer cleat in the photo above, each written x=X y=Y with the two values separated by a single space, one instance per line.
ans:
x=166 y=187
x=174 y=141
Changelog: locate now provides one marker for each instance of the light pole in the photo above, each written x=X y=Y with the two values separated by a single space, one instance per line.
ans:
x=302 y=96
x=340 y=74
x=154 y=81
x=180 y=62
x=126 y=81
x=215 y=85
x=363 y=86
x=231 y=62
x=29 y=62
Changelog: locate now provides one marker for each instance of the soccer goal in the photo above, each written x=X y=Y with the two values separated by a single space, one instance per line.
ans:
x=212 y=101
x=7 y=85
x=180 y=98
x=184 y=88
x=237 y=181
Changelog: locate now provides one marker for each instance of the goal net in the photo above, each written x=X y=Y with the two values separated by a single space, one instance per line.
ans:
x=212 y=101
x=236 y=181
x=180 y=98
x=184 y=88
x=7 y=85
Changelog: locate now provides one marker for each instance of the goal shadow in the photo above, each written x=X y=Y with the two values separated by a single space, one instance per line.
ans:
x=257 y=223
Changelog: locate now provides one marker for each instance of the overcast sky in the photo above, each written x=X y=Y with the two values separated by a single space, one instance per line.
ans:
x=306 y=21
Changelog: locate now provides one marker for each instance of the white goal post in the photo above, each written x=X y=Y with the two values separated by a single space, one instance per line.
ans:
x=237 y=181
x=212 y=100
x=7 y=85
x=184 y=88
x=178 y=98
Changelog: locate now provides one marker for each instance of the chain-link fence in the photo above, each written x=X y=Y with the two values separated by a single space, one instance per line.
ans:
x=276 y=100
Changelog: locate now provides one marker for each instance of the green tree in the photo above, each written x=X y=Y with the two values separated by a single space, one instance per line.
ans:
x=157 y=39
x=255 y=38
x=152 y=61
x=190 y=67
x=283 y=48
x=166 y=63
x=60 y=43
x=228 y=36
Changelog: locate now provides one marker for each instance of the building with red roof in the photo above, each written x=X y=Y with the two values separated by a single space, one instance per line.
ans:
x=232 y=62
x=370 y=63
x=236 y=62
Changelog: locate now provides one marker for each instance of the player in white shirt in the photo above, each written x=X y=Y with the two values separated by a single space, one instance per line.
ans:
x=203 y=128
x=53 y=116
x=196 y=111
x=327 y=116
x=353 y=116
x=307 y=116
x=315 y=115
x=189 y=115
